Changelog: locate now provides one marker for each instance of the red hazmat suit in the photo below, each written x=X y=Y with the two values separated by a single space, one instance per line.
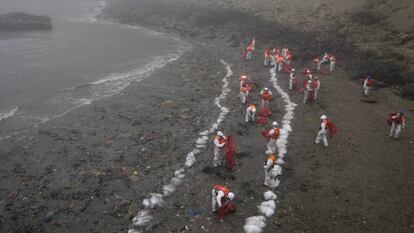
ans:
x=265 y=133
x=389 y=118
x=231 y=151
x=263 y=116
x=244 y=54
x=332 y=128
x=398 y=120
x=226 y=208
x=287 y=69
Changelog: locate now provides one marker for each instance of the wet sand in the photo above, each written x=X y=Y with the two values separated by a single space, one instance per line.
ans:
x=76 y=173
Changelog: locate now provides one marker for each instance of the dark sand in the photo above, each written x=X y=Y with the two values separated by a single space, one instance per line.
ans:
x=74 y=174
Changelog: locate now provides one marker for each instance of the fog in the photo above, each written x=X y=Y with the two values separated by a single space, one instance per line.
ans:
x=52 y=8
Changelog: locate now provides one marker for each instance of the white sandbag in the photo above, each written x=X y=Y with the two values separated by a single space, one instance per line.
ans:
x=266 y=210
x=143 y=218
x=168 y=189
x=134 y=231
x=269 y=195
x=176 y=181
x=259 y=221
x=205 y=133
x=252 y=229
x=273 y=183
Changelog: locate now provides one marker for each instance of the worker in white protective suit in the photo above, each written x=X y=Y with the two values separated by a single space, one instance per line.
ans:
x=244 y=92
x=316 y=85
x=271 y=170
x=220 y=194
x=332 y=62
x=219 y=144
x=243 y=80
x=323 y=131
x=292 y=79
x=307 y=92
x=266 y=95
x=397 y=124
x=325 y=59
x=250 y=113
x=272 y=136
x=368 y=84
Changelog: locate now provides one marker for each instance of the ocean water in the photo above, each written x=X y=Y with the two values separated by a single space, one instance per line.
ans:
x=44 y=75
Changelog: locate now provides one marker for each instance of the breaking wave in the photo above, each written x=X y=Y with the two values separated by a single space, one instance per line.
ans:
x=7 y=114
x=108 y=86
x=73 y=98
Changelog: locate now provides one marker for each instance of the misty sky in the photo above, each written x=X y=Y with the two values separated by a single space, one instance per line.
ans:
x=47 y=7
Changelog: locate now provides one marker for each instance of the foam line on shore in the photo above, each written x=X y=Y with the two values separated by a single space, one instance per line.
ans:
x=144 y=217
x=266 y=209
x=7 y=114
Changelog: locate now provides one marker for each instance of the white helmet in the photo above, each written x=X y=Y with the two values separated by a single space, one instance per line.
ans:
x=230 y=195
x=293 y=69
x=243 y=77
x=323 y=117
x=266 y=89
x=268 y=152
x=309 y=81
x=220 y=134
x=274 y=123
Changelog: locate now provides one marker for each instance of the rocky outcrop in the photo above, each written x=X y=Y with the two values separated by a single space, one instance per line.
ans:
x=16 y=21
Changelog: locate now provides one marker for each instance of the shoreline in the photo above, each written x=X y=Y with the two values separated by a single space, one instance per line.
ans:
x=25 y=115
x=89 y=142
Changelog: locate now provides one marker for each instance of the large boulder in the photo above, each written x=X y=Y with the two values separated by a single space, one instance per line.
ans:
x=16 y=21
